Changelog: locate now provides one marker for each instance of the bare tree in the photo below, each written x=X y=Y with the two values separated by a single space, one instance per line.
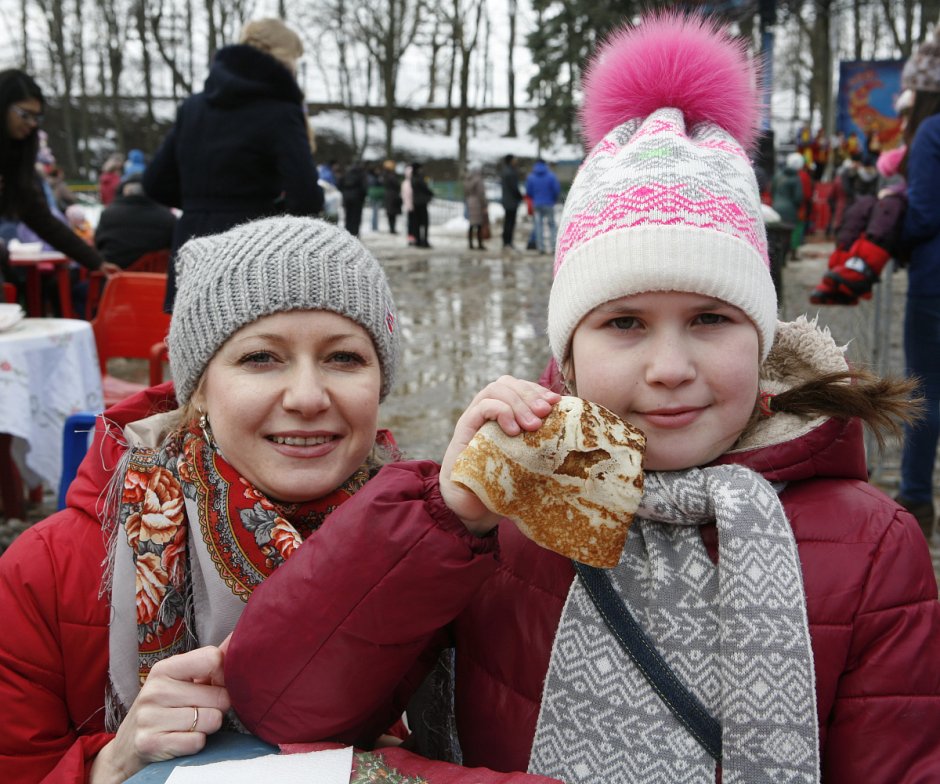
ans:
x=436 y=43
x=56 y=14
x=114 y=16
x=168 y=49
x=465 y=32
x=83 y=119
x=387 y=31
x=512 y=10
x=140 y=18
x=451 y=74
x=904 y=37
x=24 y=17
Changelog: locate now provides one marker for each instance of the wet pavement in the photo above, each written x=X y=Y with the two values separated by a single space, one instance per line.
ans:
x=467 y=317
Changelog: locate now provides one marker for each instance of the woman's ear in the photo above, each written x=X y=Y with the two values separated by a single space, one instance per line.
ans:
x=197 y=400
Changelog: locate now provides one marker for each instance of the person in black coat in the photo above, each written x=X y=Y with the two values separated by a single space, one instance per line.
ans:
x=133 y=225
x=511 y=198
x=354 y=186
x=422 y=198
x=392 y=183
x=240 y=149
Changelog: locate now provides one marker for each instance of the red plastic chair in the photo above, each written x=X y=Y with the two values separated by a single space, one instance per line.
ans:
x=9 y=293
x=155 y=261
x=130 y=324
x=159 y=354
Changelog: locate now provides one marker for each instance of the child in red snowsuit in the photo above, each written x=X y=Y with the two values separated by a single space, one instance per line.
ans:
x=866 y=239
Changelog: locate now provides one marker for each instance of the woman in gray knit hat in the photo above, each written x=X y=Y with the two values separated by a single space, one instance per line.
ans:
x=283 y=342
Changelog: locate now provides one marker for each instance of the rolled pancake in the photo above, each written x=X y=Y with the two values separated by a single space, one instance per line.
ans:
x=572 y=486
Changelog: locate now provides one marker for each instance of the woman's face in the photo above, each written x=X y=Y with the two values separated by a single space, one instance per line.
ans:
x=293 y=402
x=23 y=118
x=683 y=368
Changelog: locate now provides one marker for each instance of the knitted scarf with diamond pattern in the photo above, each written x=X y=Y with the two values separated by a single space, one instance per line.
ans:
x=736 y=635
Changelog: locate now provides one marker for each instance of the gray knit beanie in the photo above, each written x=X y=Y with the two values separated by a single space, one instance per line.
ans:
x=921 y=72
x=228 y=280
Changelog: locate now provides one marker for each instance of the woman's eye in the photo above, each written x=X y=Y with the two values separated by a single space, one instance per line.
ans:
x=257 y=358
x=346 y=358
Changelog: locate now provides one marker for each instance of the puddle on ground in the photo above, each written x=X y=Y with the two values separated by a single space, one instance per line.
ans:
x=464 y=322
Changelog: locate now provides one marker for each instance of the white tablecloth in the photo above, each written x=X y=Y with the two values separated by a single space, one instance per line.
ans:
x=48 y=370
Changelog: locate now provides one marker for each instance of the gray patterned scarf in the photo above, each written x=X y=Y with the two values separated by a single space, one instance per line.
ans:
x=736 y=635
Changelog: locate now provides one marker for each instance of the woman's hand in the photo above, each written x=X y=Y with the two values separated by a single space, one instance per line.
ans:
x=183 y=701
x=516 y=405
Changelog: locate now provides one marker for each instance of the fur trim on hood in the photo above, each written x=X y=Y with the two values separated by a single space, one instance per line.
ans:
x=801 y=351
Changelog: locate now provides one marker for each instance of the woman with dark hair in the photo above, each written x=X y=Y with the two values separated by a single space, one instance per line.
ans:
x=921 y=234
x=21 y=198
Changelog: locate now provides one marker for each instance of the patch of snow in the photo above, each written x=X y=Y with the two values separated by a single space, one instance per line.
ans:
x=486 y=143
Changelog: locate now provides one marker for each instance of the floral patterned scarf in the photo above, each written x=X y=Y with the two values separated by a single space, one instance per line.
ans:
x=192 y=539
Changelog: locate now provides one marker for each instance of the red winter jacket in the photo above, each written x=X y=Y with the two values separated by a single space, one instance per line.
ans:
x=332 y=645
x=54 y=632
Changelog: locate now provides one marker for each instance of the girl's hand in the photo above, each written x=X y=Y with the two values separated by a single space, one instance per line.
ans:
x=163 y=723
x=516 y=405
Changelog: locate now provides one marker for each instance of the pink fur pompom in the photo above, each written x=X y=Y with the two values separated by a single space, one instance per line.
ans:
x=672 y=60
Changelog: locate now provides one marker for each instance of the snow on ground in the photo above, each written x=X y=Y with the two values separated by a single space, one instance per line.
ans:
x=486 y=143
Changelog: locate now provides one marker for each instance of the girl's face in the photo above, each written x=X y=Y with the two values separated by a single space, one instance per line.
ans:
x=681 y=367
x=293 y=402
x=23 y=117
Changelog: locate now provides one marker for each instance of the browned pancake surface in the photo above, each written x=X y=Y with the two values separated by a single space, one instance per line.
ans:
x=571 y=486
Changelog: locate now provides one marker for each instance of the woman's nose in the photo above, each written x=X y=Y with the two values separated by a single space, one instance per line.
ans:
x=306 y=390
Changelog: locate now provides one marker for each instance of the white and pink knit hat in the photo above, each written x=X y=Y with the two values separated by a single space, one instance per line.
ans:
x=667 y=199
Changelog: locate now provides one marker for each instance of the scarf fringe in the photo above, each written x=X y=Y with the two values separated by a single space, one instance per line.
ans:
x=108 y=506
x=114 y=710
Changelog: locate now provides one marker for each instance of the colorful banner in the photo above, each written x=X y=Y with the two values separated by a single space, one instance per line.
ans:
x=867 y=92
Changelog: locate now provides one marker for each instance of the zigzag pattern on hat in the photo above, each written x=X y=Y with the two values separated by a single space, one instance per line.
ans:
x=664 y=177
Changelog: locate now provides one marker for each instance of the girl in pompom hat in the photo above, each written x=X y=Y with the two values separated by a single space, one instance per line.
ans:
x=793 y=604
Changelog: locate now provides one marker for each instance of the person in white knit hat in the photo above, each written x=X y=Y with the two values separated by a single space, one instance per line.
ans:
x=780 y=614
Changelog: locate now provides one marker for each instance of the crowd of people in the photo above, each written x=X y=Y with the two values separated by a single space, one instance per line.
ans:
x=244 y=549
x=397 y=189
x=249 y=112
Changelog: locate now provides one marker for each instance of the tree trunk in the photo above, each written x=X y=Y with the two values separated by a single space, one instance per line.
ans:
x=151 y=124
x=436 y=46
x=466 y=52
x=511 y=71
x=84 y=124
x=64 y=59
x=451 y=73
x=213 y=34
x=24 y=16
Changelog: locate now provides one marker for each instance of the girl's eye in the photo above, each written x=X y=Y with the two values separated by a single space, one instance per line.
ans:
x=624 y=322
x=712 y=318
